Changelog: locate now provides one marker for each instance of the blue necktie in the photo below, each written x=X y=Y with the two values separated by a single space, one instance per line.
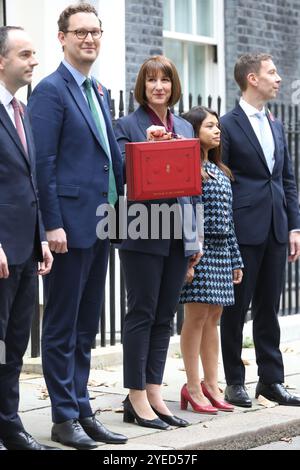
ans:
x=266 y=139
x=112 y=190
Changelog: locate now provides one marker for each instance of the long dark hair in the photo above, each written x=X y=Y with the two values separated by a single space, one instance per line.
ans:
x=196 y=116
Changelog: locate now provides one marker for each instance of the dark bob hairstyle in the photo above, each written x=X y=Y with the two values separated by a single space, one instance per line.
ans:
x=150 y=68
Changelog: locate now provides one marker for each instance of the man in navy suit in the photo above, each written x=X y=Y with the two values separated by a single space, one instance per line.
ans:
x=267 y=221
x=79 y=167
x=22 y=238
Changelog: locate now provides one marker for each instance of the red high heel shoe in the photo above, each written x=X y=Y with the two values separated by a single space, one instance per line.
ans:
x=221 y=405
x=186 y=398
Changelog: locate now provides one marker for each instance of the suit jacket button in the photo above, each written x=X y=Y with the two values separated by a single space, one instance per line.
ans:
x=104 y=194
x=106 y=167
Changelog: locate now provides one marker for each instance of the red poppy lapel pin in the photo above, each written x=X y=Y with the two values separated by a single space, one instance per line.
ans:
x=100 y=89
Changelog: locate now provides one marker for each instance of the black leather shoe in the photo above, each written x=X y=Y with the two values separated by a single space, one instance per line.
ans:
x=70 y=433
x=277 y=392
x=95 y=430
x=172 y=420
x=2 y=446
x=237 y=395
x=21 y=440
x=130 y=415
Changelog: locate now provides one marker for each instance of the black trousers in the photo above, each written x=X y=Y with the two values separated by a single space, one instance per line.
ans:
x=262 y=283
x=153 y=285
x=17 y=300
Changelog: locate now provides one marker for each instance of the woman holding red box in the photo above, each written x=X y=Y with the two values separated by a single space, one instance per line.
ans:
x=154 y=269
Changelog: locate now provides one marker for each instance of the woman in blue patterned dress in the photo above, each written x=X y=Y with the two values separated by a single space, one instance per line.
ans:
x=209 y=285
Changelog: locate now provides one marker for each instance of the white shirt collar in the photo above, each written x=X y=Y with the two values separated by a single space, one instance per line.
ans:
x=78 y=76
x=5 y=95
x=250 y=110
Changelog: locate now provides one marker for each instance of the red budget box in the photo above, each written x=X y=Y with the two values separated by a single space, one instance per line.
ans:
x=163 y=169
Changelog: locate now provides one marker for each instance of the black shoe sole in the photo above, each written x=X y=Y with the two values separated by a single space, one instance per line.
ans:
x=240 y=404
x=72 y=444
x=111 y=442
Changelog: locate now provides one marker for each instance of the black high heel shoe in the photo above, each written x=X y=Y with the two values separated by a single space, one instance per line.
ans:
x=172 y=420
x=130 y=415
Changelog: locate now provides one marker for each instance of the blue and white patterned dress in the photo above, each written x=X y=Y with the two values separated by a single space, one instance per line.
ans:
x=212 y=283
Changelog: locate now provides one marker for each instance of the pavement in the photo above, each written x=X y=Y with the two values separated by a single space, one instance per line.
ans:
x=245 y=428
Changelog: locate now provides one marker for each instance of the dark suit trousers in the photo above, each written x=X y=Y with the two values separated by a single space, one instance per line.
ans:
x=153 y=285
x=17 y=300
x=74 y=292
x=262 y=282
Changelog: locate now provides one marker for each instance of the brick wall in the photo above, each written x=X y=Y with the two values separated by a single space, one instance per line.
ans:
x=144 y=26
x=271 y=26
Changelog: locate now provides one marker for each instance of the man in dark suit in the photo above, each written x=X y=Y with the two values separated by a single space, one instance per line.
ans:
x=22 y=238
x=79 y=167
x=267 y=220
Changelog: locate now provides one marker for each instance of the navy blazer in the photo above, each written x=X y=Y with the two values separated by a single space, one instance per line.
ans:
x=21 y=227
x=132 y=128
x=259 y=197
x=72 y=166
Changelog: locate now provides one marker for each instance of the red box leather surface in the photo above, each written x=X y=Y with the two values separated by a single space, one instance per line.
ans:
x=163 y=169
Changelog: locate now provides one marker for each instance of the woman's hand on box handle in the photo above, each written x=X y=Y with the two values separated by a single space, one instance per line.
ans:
x=158 y=133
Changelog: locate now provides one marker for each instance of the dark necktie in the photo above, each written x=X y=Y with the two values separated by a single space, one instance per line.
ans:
x=112 y=190
x=18 y=122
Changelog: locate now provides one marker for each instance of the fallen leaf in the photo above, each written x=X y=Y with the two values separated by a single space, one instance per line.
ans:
x=96 y=383
x=43 y=394
x=290 y=386
x=263 y=401
x=177 y=355
x=118 y=410
x=286 y=439
x=246 y=362
x=108 y=408
x=288 y=349
x=204 y=426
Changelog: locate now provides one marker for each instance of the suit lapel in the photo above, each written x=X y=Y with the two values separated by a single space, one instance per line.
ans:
x=244 y=123
x=143 y=120
x=7 y=123
x=178 y=128
x=79 y=100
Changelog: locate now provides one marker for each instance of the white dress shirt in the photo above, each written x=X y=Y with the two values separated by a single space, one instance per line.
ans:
x=251 y=113
x=5 y=99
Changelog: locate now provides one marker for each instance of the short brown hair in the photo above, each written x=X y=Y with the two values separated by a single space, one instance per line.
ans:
x=248 y=63
x=151 y=67
x=63 y=20
x=4 y=43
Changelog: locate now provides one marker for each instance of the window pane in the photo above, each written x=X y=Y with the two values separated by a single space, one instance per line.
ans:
x=183 y=16
x=1 y=13
x=196 y=56
x=174 y=51
x=205 y=17
x=167 y=24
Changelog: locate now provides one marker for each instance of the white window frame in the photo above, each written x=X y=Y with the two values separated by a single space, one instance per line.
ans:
x=2 y=15
x=214 y=73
